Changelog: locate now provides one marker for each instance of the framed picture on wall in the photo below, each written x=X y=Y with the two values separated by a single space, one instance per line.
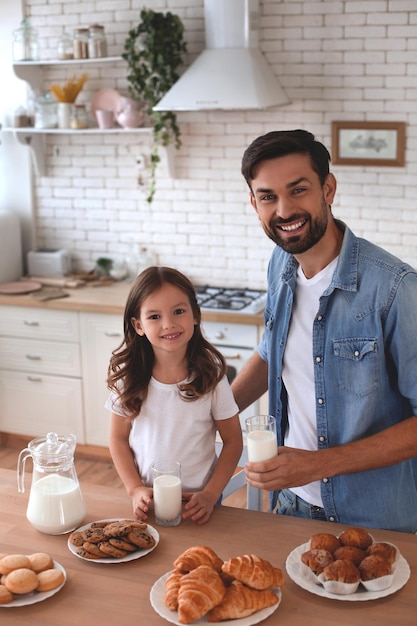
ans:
x=368 y=143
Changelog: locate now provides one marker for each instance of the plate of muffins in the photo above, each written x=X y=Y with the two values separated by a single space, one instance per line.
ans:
x=352 y=566
x=113 y=540
x=28 y=579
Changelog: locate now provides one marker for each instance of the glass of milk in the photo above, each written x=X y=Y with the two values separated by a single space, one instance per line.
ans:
x=261 y=437
x=167 y=492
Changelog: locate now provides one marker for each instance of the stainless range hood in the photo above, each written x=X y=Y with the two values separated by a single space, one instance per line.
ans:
x=232 y=72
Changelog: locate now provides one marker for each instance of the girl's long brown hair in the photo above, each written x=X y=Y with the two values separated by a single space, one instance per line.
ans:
x=131 y=364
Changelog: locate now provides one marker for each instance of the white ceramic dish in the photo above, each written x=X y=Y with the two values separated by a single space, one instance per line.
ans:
x=132 y=556
x=157 y=601
x=295 y=570
x=35 y=596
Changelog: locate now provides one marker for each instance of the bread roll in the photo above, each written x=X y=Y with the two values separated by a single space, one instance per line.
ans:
x=22 y=580
x=50 y=579
x=13 y=561
x=40 y=561
x=350 y=553
x=6 y=596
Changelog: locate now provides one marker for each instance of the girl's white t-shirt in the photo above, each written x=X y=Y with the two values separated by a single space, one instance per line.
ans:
x=298 y=371
x=171 y=428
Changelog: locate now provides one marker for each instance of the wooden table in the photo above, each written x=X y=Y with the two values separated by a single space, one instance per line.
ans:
x=108 y=595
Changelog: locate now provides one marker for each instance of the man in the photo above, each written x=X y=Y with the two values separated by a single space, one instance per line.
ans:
x=339 y=350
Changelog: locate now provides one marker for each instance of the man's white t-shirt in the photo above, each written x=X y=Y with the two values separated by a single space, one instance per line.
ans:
x=298 y=371
x=171 y=428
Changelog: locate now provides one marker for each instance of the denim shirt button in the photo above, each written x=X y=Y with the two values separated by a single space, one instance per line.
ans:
x=320 y=400
x=322 y=439
x=325 y=480
x=319 y=318
x=318 y=359
x=331 y=519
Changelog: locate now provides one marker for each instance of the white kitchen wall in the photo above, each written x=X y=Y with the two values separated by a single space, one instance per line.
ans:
x=337 y=60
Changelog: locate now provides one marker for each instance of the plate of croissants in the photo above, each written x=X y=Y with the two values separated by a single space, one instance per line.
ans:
x=352 y=566
x=203 y=588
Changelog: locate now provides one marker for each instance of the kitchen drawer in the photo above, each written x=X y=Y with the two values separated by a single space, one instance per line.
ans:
x=38 y=323
x=34 y=405
x=48 y=357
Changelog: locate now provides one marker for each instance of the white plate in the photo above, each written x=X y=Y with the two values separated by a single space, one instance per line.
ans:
x=35 y=596
x=295 y=571
x=157 y=601
x=139 y=553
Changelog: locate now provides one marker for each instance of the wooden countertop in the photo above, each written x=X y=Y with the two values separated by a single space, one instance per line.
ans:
x=119 y=593
x=111 y=299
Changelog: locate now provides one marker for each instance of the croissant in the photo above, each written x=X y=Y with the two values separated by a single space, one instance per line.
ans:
x=172 y=586
x=240 y=601
x=254 y=571
x=195 y=556
x=200 y=591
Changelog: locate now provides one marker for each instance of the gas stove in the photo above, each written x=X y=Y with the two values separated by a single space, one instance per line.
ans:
x=233 y=300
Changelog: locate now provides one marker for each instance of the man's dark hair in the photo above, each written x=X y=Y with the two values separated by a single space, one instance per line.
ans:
x=279 y=143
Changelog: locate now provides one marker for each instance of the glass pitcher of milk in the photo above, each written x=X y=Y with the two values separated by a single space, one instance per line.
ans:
x=56 y=504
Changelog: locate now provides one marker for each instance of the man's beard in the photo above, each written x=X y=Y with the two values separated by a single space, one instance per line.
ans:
x=299 y=244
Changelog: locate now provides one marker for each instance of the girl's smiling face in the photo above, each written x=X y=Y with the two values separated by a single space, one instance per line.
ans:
x=166 y=319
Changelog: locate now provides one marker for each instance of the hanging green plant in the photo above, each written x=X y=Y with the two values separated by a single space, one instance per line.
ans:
x=154 y=52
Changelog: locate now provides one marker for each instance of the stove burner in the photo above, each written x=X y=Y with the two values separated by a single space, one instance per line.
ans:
x=230 y=299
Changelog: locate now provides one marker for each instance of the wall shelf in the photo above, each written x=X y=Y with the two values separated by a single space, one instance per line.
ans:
x=34 y=138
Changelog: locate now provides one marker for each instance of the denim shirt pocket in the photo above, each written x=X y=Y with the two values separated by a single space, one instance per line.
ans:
x=357 y=364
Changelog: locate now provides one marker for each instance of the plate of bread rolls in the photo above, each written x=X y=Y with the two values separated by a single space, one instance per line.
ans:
x=353 y=566
x=28 y=579
x=203 y=588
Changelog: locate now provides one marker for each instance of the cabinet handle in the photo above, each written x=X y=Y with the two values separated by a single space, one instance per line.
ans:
x=28 y=323
x=232 y=357
x=33 y=357
x=112 y=333
x=34 y=379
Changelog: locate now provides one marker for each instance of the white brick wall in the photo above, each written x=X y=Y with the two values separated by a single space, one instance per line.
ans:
x=336 y=59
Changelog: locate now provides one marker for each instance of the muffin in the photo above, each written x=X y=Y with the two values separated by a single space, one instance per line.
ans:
x=374 y=566
x=317 y=559
x=350 y=553
x=324 y=541
x=342 y=571
x=357 y=537
x=386 y=550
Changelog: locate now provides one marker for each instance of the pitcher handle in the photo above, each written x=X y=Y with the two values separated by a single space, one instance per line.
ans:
x=21 y=462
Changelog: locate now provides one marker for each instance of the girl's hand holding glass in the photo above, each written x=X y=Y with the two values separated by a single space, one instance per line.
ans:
x=141 y=499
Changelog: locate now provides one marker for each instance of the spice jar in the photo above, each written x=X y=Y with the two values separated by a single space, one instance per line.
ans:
x=80 y=43
x=25 y=43
x=78 y=116
x=97 y=44
x=65 y=48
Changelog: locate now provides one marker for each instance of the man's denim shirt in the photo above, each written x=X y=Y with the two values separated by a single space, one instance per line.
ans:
x=365 y=372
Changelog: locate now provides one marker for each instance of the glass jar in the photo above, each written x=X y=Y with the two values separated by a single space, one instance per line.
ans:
x=46 y=111
x=65 y=48
x=25 y=43
x=97 y=44
x=80 y=43
x=78 y=116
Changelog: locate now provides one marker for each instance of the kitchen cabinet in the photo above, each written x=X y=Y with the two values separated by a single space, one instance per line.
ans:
x=40 y=372
x=100 y=334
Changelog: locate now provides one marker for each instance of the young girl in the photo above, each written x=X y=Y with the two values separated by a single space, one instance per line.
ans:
x=169 y=395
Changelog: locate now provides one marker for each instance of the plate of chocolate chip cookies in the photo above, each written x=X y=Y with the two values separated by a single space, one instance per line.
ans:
x=113 y=540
